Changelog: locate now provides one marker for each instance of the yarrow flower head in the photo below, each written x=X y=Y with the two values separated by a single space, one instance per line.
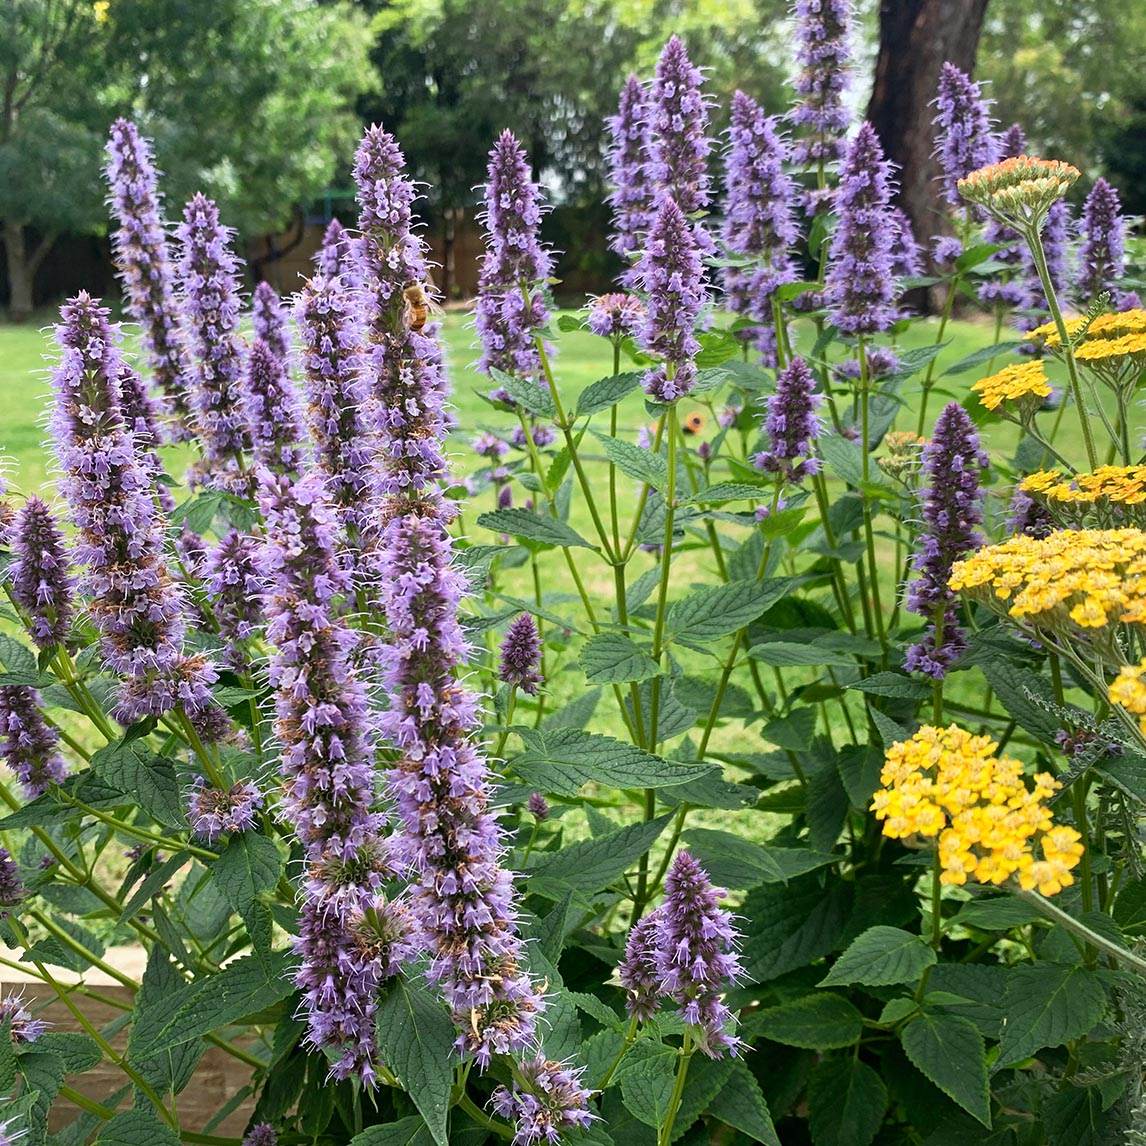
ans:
x=212 y=812
x=965 y=139
x=859 y=286
x=269 y=319
x=140 y=245
x=678 y=154
x=21 y=1026
x=1101 y=256
x=632 y=195
x=548 y=1099
x=40 y=582
x=272 y=412
x=823 y=52
x=1023 y=384
x=1128 y=691
x=948 y=785
x=952 y=509
x=521 y=655
x=1019 y=192
x=615 y=316
x=29 y=746
x=792 y=424
x=1109 y=496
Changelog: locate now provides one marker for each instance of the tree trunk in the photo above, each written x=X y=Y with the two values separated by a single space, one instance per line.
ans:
x=916 y=37
x=21 y=274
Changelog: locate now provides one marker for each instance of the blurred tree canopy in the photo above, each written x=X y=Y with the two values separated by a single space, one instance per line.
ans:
x=248 y=100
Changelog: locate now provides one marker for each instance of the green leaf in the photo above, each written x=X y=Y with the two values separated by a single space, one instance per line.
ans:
x=532 y=526
x=846 y=1103
x=1047 y=1005
x=198 y=514
x=728 y=491
x=149 y=780
x=790 y=654
x=156 y=879
x=893 y=684
x=997 y=913
x=1015 y=688
x=732 y=861
x=526 y=393
x=741 y=1105
x=7 y=1058
x=612 y=658
x=635 y=462
x=715 y=612
x=1130 y=907
x=1075 y=1117
x=17 y=658
x=598 y=396
x=880 y=957
x=563 y=760
x=712 y=791
x=789 y=925
x=823 y=1021
x=137 y=1128
x=845 y=457
x=982 y=355
x=78 y=1052
x=976 y=254
x=593 y=864
x=647 y=1081
x=416 y=1036
x=576 y=714
x=794 y=730
x=411 y=1131
x=951 y=1052
x=249 y=865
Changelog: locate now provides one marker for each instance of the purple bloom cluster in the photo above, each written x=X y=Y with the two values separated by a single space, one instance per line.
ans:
x=338 y=256
x=759 y=220
x=859 y=285
x=12 y=889
x=632 y=194
x=269 y=319
x=211 y=811
x=140 y=245
x=965 y=140
x=952 y=508
x=538 y=807
x=1101 y=255
x=22 y=1027
x=323 y=727
x=230 y=572
x=548 y=1099
x=209 y=289
x=132 y=599
x=272 y=411
x=521 y=655
x=679 y=145
x=141 y=416
x=40 y=582
x=28 y=744
x=1028 y=517
x=674 y=280
x=262 y=1134
x=823 y=53
x=686 y=951
x=792 y=424
x=616 y=315
x=512 y=299
x=906 y=253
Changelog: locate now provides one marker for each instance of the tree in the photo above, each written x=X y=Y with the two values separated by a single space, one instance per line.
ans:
x=248 y=100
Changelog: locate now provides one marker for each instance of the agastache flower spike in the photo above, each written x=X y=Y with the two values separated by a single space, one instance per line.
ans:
x=12 y=889
x=823 y=54
x=859 y=287
x=212 y=812
x=615 y=316
x=40 y=581
x=140 y=245
x=270 y=322
x=1101 y=256
x=548 y=1099
x=235 y=588
x=209 y=290
x=134 y=603
x=759 y=220
x=965 y=140
x=21 y=1026
x=952 y=508
x=28 y=744
x=512 y=299
x=632 y=194
x=521 y=654
x=638 y=970
x=272 y=411
x=674 y=280
x=792 y=424
x=142 y=418
x=678 y=153
x=338 y=255
x=906 y=253
x=262 y=1134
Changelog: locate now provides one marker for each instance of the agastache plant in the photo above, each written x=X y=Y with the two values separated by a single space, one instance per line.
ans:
x=272 y=411
x=679 y=145
x=140 y=245
x=1101 y=255
x=29 y=746
x=234 y=585
x=823 y=53
x=41 y=582
x=270 y=321
x=965 y=140
x=338 y=255
x=142 y=417
x=632 y=194
x=792 y=425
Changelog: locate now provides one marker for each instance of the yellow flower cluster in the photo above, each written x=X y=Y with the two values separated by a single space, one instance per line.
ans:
x=1021 y=189
x=1089 y=578
x=1114 y=345
x=1129 y=691
x=1024 y=383
x=1111 y=495
x=945 y=783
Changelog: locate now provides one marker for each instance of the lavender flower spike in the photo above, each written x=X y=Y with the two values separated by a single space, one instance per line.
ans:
x=512 y=297
x=22 y=1027
x=859 y=287
x=638 y=970
x=759 y=219
x=792 y=424
x=262 y=1134
x=696 y=954
x=952 y=508
x=1101 y=256
x=12 y=889
x=212 y=812
x=964 y=141
x=209 y=288
x=28 y=745
x=549 y=1099
x=521 y=654
x=823 y=53
x=40 y=582
x=338 y=255
x=235 y=591
x=272 y=412
x=140 y=245
x=674 y=280
x=678 y=155
x=632 y=194
x=906 y=253
x=142 y=416
x=269 y=318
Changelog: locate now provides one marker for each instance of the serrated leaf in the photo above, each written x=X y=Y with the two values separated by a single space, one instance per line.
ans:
x=845 y=458
x=718 y=611
x=526 y=393
x=600 y=395
x=634 y=462
x=198 y=514
x=7 y=1058
x=880 y=957
x=593 y=864
x=1046 y=1005
x=789 y=654
x=1076 y=1117
x=613 y=658
x=823 y=1021
x=893 y=684
x=740 y=1104
x=951 y=1053
x=790 y=925
x=416 y=1036
x=563 y=760
x=978 y=253
x=153 y=883
x=136 y=1128
x=411 y=1131
x=846 y=1103
x=1130 y=907
x=647 y=1083
x=249 y=865
x=77 y=1052
x=1019 y=691
x=532 y=526
x=728 y=491
x=149 y=780
x=576 y=714
x=997 y=913
x=17 y=658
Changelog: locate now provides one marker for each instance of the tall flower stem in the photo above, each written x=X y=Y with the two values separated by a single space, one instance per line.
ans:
x=1108 y=947
x=869 y=532
x=664 y=1138
x=928 y=378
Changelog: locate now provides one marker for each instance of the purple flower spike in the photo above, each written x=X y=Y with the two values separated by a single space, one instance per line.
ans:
x=272 y=412
x=792 y=424
x=21 y=1026
x=1028 y=517
x=209 y=288
x=638 y=970
x=632 y=194
x=822 y=32
x=674 y=280
x=759 y=219
x=133 y=601
x=678 y=155
x=28 y=745
x=906 y=253
x=965 y=140
x=142 y=418
x=41 y=584
x=512 y=298
x=859 y=287
x=1101 y=256
x=269 y=318
x=952 y=508
x=12 y=889
x=538 y=807
x=262 y=1134
x=521 y=655
x=615 y=316
x=235 y=592
x=338 y=256
x=140 y=245
x=548 y=1100
x=212 y=812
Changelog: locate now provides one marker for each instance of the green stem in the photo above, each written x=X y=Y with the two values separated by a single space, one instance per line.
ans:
x=630 y=1038
x=869 y=532
x=1127 y=959
x=664 y=1138
x=928 y=382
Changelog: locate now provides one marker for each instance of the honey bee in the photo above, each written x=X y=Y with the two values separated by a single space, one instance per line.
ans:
x=690 y=424
x=419 y=306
